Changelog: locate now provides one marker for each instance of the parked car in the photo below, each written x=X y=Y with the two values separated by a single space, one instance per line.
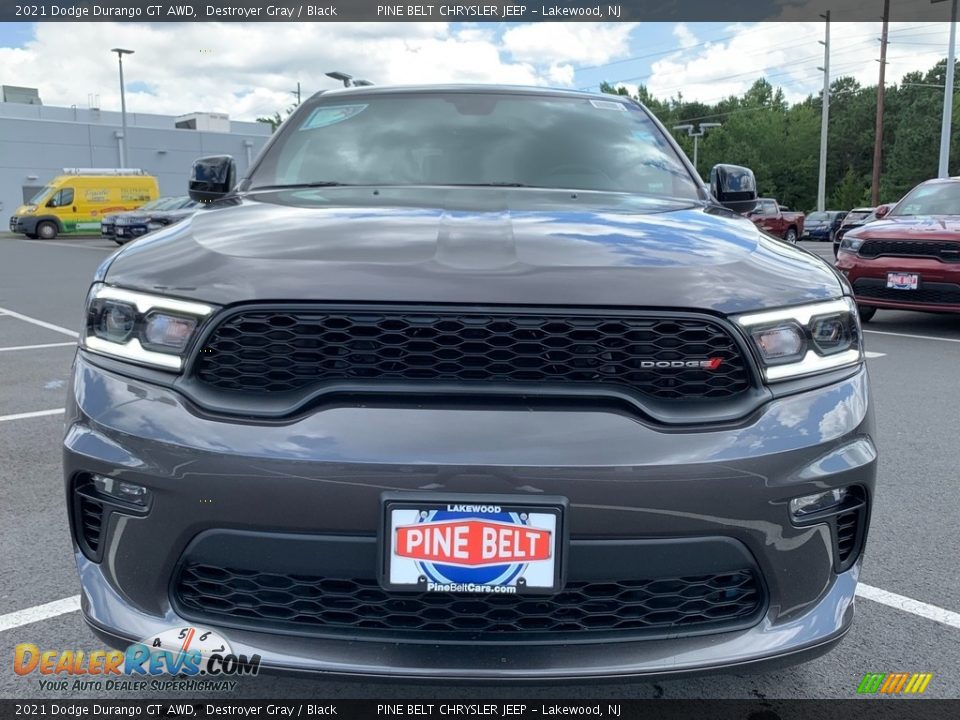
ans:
x=164 y=203
x=822 y=226
x=495 y=390
x=909 y=259
x=776 y=220
x=130 y=226
x=858 y=217
x=74 y=203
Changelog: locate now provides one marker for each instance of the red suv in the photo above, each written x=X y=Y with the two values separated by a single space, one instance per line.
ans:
x=910 y=260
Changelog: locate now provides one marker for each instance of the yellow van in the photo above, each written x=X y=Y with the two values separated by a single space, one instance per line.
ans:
x=75 y=201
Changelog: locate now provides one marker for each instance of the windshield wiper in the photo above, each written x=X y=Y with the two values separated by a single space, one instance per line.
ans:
x=289 y=186
x=490 y=184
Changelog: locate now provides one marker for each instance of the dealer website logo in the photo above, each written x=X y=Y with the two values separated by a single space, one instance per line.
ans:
x=186 y=653
x=894 y=683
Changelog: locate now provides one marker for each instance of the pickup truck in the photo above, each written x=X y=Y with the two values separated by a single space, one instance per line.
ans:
x=777 y=220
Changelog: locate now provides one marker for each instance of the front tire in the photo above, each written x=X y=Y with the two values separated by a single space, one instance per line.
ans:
x=791 y=236
x=47 y=230
x=866 y=313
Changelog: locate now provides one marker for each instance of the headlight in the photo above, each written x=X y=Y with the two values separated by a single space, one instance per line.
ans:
x=805 y=340
x=147 y=329
x=849 y=244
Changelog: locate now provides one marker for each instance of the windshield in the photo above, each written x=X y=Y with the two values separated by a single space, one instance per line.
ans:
x=858 y=216
x=158 y=204
x=941 y=198
x=818 y=217
x=475 y=139
x=40 y=196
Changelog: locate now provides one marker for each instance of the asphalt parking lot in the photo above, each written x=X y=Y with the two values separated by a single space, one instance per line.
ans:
x=908 y=616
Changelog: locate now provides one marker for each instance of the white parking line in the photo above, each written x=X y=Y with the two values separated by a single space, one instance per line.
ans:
x=39 y=612
x=916 y=337
x=36 y=413
x=909 y=605
x=872 y=354
x=41 y=323
x=40 y=347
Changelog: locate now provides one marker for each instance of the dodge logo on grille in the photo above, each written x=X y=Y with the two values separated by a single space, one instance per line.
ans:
x=472 y=542
x=711 y=364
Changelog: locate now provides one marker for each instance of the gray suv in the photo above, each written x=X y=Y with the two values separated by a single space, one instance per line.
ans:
x=474 y=383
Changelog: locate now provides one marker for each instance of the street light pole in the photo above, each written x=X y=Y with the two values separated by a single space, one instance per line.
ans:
x=946 y=125
x=696 y=135
x=123 y=106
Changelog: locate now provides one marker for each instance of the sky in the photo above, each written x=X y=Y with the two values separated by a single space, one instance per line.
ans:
x=251 y=69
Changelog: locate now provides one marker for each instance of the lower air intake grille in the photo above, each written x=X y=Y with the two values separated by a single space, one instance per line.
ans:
x=361 y=608
x=847 y=534
x=668 y=358
x=89 y=518
x=927 y=294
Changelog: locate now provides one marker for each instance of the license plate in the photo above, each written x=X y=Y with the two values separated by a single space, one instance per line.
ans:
x=903 y=281
x=472 y=544
x=119 y=231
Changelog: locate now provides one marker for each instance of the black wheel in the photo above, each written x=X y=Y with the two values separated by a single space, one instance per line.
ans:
x=866 y=312
x=791 y=236
x=47 y=230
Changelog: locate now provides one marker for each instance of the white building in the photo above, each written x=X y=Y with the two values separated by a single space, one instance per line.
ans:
x=38 y=141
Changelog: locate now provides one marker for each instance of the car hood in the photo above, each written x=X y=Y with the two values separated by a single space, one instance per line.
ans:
x=473 y=246
x=918 y=227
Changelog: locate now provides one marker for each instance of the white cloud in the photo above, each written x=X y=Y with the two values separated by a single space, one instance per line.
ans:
x=579 y=43
x=788 y=54
x=684 y=36
x=250 y=69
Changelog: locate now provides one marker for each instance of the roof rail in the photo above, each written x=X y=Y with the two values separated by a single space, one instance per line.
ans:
x=103 y=171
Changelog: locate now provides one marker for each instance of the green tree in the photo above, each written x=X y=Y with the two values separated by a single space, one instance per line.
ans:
x=781 y=142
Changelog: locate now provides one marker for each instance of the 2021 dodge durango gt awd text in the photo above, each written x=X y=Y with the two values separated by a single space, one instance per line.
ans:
x=472 y=382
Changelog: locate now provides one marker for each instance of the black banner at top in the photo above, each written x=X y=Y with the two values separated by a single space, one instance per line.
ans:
x=462 y=709
x=464 y=11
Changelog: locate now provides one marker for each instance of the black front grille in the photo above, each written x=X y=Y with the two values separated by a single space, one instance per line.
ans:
x=927 y=294
x=270 y=351
x=360 y=607
x=946 y=251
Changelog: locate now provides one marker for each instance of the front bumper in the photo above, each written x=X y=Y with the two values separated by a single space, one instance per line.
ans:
x=321 y=477
x=817 y=233
x=129 y=232
x=938 y=291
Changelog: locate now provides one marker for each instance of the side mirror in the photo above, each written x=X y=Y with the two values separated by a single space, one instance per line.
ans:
x=212 y=178
x=881 y=212
x=734 y=187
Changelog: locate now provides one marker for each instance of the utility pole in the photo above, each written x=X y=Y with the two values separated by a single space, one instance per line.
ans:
x=296 y=92
x=945 y=127
x=881 y=93
x=824 y=118
x=696 y=137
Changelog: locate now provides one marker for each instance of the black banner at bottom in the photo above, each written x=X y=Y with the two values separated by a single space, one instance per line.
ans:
x=900 y=708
